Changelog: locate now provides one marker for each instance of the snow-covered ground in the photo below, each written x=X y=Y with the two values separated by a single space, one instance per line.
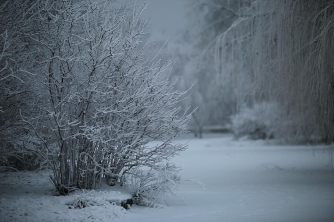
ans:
x=243 y=181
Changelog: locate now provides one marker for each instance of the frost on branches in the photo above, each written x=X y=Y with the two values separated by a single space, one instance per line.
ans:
x=149 y=187
x=96 y=102
x=13 y=94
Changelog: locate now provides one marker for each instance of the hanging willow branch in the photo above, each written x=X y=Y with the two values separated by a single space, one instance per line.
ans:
x=282 y=51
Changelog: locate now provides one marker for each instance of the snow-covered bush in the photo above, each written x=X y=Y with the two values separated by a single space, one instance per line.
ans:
x=149 y=187
x=258 y=122
x=94 y=102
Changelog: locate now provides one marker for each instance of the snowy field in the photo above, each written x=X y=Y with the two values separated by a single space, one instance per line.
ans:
x=239 y=181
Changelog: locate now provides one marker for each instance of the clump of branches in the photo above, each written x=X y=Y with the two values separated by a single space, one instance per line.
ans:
x=13 y=91
x=149 y=187
x=95 y=102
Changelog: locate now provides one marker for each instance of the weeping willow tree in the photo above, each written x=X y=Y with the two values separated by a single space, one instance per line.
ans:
x=282 y=51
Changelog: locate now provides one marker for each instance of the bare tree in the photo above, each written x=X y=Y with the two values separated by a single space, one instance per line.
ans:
x=215 y=103
x=96 y=102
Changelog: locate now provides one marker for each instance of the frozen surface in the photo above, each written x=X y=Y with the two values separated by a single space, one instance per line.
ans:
x=222 y=180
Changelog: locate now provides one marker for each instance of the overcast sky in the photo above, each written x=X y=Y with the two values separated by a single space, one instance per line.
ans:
x=167 y=16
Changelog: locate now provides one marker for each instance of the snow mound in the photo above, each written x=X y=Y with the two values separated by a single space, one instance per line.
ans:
x=84 y=199
x=30 y=197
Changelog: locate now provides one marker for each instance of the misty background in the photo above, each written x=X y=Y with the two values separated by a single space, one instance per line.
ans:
x=259 y=69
